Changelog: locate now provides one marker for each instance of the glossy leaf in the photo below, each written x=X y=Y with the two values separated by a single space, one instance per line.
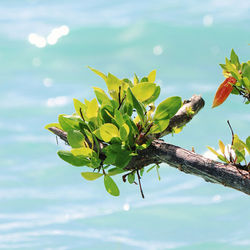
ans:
x=91 y=109
x=111 y=186
x=79 y=107
x=235 y=59
x=77 y=161
x=101 y=95
x=50 y=125
x=91 y=176
x=248 y=144
x=115 y=171
x=159 y=126
x=223 y=91
x=132 y=99
x=108 y=131
x=213 y=151
x=113 y=84
x=222 y=147
x=246 y=70
x=168 y=108
x=240 y=156
x=144 y=91
x=68 y=122
x=83 y=151
x=75 y=138
x=152 y=76
x=131 y=178
x=103 y=76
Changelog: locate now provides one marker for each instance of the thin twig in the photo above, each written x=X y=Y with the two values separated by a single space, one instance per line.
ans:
x=230 y=154
x=81 y=114
x=121 y=102
x=119 y=95
x=139 y=180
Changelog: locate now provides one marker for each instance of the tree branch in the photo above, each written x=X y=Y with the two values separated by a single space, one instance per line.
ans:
x=186 y=161
x=192 y=163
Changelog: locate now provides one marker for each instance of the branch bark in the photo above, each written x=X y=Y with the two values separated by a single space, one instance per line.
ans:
x=185 y=160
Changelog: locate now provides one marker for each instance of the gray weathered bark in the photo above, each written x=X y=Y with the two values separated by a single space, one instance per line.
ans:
x=186 y=161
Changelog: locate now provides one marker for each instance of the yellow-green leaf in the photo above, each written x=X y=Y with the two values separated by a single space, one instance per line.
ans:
x=91 y=109
x=103 y=76
x=108 y=131
x=101 y=95
x=124 y=132
x=75 y=138
x=85 y=151
x=222 y=147
x=159 y=126
x=57 y=125
x=77 y=161
x=79 y=107
x=144 y=91
x=91 y=176
x=152 y=75
x=168 y=108
x=111 y=186
x=213 y=151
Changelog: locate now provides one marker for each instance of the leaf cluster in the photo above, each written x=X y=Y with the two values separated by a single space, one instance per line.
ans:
x=106 y=132
x=241 y=72
x=234 y=153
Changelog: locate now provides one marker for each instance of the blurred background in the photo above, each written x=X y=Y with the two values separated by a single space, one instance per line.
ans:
x=45 y=47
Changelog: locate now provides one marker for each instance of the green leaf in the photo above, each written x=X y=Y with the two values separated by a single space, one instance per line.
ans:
x=240 y=156
x=91 y=109
x=223 y=66
x=75 y=138
x=77 y=161
x=91 y=176
x=158 y=174
x=144 y=92
x=131 y=178
x=119 y=117
x=246 y=70
x=103 y=76
x=154 y=96
x=168 y=108
x=230 y=67
x=108 y=131
x=79 y=107
x=222 y=158
x=235 y=59
x=248 y=144
x=111 y=186
x=144 y=79
x=113 y=84
x=213 y=151
x=238 y=144
x=152 y=75
x=101 y=95
x=83 y=151
x=68 y=122
x=136 y=79
x=222 y=147
x=50 y=125
x=141 y=171
x=124 y=132
x=246 y=83
x=159 y=126
x=132 y=99
x=115 y=171
x=151 y=168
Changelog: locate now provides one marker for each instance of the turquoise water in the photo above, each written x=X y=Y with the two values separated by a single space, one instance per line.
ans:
x=45 y=204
